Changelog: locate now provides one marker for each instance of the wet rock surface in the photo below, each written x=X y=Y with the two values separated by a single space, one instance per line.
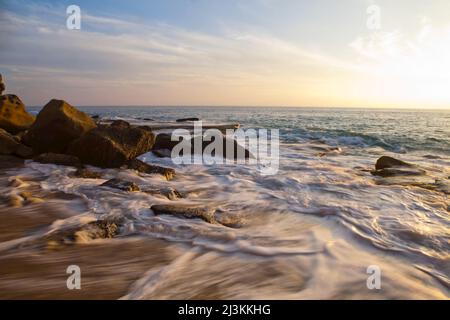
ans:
x=146 y=168
x=59 y=159
x=121 y=185
x=185 y=211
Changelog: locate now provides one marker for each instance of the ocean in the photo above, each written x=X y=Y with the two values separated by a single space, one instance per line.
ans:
x=314 y=230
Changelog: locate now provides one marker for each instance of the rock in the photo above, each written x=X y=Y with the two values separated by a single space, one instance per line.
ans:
x=86 y=174
x=169 y=193
x=13 y=116
x=143 y=167
x=389 y=162
x=162 y=153
x=29 y=199
x=164 y=145
x=14 y=201
x=121 y=185
x=393 y=172
x=59 y=159
x=188 y=119
x=97 y=230
x=120 y=124
x=190 y=212
x=2 y=85
x=163 y=141
x=57 y=125
x=112 y=146
x=10 y=146
x=92 y=231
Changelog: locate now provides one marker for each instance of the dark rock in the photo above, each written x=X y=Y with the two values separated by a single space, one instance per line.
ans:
x=168 y=192
x=188 y=119
x=190 y=212
x=59 y=159
x=120 y=124
x=163 y=141
x=164 y=145
x=10 y=146
x=393 y=172
x=2 y=85
x=389 y=162
x=112 y=146
x=13 y=116
x=56 y=126
x=121 y=185
x=86 y=174
x=143 y=167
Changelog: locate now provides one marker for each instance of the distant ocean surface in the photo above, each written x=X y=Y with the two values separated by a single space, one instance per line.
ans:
x=313 y=229
x=394 y=130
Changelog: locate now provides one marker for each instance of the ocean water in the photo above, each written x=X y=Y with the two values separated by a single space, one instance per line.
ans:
x=310 y=231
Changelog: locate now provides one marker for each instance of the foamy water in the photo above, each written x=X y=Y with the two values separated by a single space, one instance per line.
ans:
x=310 y=231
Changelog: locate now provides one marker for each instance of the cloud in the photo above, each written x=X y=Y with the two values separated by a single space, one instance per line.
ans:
x=111 y=52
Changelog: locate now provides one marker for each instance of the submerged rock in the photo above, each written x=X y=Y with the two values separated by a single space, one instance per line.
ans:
x=86 y=174
x=13 y=116
x=121 y=185
x=389 y=162
x=393 y=172
x=10 y=146
x=56 y=126
x=101 y=229
x=112 y=146
x=168 y=192
x=188 y=119
x=186 y=211
x=97 y=230
x=143 y=167
x=59 y=159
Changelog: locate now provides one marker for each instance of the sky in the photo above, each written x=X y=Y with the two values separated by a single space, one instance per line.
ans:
x=322 y=53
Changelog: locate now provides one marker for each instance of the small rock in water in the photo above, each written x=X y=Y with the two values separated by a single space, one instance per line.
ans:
x=94 y=230
x=143 y=167
x=59 y=159
x=186 y=211
x=121 y=185
x=389 y=162
x=392 y=172
x=97 y=230
x=188 y=119
x=86 y=174
x=169 y=193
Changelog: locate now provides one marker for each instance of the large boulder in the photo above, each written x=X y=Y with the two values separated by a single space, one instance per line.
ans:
x=10 y=146
x=13 y=116
x=112 y=146
x=56 y=126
